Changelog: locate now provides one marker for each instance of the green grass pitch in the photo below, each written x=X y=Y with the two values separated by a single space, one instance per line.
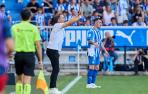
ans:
x=110 y=85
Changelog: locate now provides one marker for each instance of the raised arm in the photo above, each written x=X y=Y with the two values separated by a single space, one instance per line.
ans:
x=73 y=20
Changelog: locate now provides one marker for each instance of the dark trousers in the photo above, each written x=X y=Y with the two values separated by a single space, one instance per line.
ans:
x=146 y=64
x=54 y=58
x=136 y=67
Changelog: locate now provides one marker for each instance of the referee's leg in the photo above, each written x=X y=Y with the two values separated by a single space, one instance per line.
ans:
x=24 y=65
x=54 y=58
x=28 y=71
x=19 y=71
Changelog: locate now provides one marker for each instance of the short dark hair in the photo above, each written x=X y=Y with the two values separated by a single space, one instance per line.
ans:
x=2 y=6
x=125 y=21
x=25 y=14
x=113 y=18
x=96 y=19
x=55 y=19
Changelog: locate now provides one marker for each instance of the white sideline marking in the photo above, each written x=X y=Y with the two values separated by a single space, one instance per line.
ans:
x=71 y=84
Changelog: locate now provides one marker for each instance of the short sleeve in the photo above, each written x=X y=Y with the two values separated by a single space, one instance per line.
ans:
x=90 y=35
x=37 y=35
x=6 y=29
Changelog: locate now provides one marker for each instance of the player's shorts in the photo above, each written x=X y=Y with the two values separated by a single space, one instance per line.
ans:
x=25 y=63
x=94 y=60
x=3 y=81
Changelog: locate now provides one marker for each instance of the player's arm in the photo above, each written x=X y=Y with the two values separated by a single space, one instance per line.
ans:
x=73 y=20
x=93 y=43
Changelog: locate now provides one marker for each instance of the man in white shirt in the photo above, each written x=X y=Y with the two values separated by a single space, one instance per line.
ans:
x=107 y=15
x=55 y=45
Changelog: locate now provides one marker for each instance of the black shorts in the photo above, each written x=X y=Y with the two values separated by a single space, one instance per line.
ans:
x=25 y=63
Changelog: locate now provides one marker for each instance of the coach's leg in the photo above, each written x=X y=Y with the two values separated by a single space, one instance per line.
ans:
x=55 y=71
x=54 y=58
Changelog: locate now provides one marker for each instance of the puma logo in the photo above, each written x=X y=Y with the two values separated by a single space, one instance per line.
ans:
x=128 y=37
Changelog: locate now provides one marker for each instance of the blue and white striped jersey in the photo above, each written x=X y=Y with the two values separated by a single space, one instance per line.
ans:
x=95 y=36
x=40 y=19
x=76 y=7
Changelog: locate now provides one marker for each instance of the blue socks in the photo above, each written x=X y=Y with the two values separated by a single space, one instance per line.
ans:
x=91 y=76
x=95 y=73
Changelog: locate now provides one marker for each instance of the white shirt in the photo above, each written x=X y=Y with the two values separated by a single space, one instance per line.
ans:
x=56 y=37
x=139 y=24
x=107 y=17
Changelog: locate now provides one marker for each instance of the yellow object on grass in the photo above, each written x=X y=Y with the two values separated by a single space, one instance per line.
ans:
x=41 y=83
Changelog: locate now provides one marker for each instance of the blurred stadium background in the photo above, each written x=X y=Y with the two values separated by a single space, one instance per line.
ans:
x=124 y=19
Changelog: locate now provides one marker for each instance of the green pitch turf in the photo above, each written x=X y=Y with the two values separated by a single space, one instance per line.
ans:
x=62 y=82
x=110 y=85
x=114 y=85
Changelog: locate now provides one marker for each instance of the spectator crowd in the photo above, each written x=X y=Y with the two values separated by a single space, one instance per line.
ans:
x=112 y=12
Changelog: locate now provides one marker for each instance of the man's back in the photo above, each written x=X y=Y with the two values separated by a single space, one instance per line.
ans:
x=25 y=35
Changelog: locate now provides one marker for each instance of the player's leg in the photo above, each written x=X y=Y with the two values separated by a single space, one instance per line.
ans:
x=90 y=71
x=3 y=82
x=29 y=66
x=95 y=72
x=19 y=71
